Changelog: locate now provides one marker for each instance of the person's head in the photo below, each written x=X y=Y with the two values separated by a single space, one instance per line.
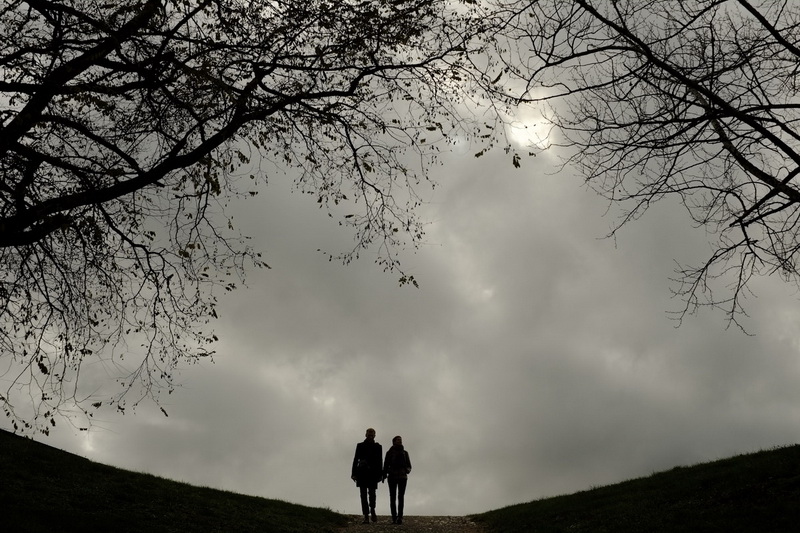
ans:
x=397 y=441
x=370 y=434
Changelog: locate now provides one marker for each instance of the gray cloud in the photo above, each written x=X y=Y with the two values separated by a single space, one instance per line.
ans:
x=536 y=358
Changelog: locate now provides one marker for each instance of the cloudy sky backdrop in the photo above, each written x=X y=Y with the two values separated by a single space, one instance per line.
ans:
x=536 y=358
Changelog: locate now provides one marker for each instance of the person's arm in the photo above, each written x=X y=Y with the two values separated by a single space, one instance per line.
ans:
x=355 y=462
x=379 y=477
x=408 y=462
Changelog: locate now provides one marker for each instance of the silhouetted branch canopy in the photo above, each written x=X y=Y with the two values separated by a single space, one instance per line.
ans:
x=125 y=129
x=696 y=100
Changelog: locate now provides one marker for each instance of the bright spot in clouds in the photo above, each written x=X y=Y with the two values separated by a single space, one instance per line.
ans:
x=530 y=130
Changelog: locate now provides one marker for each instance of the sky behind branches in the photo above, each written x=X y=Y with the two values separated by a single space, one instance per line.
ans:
x=535 y=359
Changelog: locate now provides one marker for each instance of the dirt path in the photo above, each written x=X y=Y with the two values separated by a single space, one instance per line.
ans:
x=414 y=524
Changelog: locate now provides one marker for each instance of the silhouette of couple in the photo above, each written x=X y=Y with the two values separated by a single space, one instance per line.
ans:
x=368 y=470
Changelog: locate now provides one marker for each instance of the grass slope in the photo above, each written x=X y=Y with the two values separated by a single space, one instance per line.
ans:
x=758 y=492
x=43 y=489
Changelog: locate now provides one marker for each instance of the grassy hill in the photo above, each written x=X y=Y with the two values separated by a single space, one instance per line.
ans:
x=757 y=493
x=43 y=489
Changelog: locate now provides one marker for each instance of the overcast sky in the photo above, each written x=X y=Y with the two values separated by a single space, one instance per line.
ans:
x=535 y=359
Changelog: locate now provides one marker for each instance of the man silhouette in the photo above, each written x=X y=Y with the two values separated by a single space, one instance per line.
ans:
x=367 y=471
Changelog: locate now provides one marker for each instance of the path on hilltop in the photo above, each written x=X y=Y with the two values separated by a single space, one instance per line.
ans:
x=414 y=524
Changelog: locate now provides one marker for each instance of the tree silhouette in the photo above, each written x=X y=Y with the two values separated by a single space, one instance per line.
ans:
x=696 y=100
x=126 y=128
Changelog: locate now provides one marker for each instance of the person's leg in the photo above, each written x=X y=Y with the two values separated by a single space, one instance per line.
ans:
x=392 y=496
x=364 y=504
x=372 y=500
x=401 y=494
